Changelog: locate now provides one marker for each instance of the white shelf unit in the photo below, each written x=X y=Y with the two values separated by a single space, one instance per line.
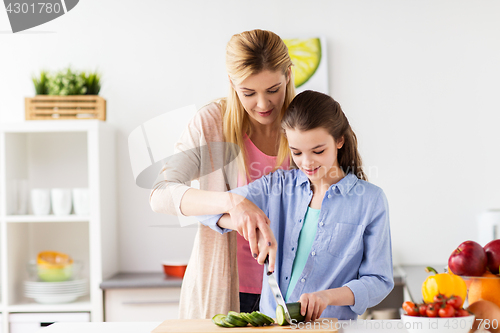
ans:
x=58 y=154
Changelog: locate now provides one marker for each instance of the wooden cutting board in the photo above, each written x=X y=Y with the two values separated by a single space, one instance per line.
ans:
x=322 y=325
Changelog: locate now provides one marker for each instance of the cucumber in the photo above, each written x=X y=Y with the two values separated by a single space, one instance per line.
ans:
x=247 y=317
x=225 y=323
x=235 y=319
x=217 y=319
x=293 y=310
x=258 y=318
x=269 y=320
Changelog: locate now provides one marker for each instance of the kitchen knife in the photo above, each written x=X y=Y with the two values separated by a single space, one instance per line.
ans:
x=275 y=288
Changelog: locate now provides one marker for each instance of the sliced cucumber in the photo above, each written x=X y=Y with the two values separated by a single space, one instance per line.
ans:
x=257 y=317
x=225 y=323
x=293 y=310
x=235 y=319
x=280 y=316
x=217 y=319
x=236 y=315
x=270 y=321
x=247 y=317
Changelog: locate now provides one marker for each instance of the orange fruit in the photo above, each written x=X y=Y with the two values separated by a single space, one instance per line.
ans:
x=486 y=288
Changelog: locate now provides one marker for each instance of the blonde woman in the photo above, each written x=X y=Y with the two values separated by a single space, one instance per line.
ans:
x=222 y=270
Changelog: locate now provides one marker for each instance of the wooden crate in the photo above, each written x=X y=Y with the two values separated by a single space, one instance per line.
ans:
x=45 y=107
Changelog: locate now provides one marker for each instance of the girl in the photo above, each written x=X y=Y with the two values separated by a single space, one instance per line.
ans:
x=222 y=272
x=332 y=226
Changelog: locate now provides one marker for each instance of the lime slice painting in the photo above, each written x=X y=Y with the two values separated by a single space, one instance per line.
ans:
x=307 y=56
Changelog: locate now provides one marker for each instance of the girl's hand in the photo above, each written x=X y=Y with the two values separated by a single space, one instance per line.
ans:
x=248 y=219
x=313 y=304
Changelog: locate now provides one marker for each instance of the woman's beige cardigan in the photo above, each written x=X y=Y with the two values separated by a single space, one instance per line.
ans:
x=210 y=285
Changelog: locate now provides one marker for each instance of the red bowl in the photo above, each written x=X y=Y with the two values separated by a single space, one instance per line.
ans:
x=174 y=269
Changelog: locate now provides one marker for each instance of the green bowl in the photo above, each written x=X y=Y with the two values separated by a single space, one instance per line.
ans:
x=55 y=274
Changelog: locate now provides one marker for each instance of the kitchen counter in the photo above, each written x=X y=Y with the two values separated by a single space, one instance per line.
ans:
x=141 y=297
x=124 y=327
x=365 y=326
x=160 y=280
x=141 y=280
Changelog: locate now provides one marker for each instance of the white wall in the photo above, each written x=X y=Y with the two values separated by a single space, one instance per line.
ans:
x=419 y=81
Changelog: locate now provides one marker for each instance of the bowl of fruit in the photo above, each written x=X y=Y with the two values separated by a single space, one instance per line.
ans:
x=479 y=267
x=441 y=308
x=445 y=314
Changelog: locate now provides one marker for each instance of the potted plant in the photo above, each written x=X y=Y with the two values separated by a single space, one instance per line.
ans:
x=66 y=94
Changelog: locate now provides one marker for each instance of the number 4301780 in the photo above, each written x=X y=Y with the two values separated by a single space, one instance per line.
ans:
x=40 y=7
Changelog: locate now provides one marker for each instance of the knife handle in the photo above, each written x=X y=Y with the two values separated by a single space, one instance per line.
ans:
x=266 y=262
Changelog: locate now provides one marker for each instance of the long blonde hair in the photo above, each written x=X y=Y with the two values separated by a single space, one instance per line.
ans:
x=249 y=53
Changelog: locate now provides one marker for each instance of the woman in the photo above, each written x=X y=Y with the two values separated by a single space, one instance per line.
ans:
x=332 y=226
x=246 y=124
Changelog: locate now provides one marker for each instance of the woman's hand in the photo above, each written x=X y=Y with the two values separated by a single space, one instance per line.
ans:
x=265 y=250
x=249 y=220
x=313 y=304
x=263 y=247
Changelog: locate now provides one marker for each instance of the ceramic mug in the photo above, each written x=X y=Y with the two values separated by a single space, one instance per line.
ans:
x=61 y=201
x=17 y=203
x=22 y=195
x=81 y=201
x=40 y=201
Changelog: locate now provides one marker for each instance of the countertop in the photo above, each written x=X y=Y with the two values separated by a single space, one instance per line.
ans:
x=160 y=280
x=141 y=280
x=364 y=326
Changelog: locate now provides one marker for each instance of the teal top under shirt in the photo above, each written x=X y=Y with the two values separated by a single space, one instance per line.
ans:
x=306 y=239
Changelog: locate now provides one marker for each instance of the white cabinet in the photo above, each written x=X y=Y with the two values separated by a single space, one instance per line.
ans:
x=142 y=304
x=57 y=154
x=34 y=322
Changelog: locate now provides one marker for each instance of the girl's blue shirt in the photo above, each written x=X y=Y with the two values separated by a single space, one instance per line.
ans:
x=352 y=246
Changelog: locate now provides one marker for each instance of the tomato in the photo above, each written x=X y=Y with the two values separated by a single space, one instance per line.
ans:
x=432 y=310
x=461 y=313
x=439 y=300
x=422 y=308
x=446 y=311
x=410 y=308
x=455 y=301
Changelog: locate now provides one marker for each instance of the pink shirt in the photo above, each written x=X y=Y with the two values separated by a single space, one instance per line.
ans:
x=249 y=270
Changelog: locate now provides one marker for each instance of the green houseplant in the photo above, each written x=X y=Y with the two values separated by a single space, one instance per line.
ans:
x=92 y=82
x=66 y=94
x=40 y=83
x=67 y=82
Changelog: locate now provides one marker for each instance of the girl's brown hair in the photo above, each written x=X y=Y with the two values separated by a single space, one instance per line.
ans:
x=312 y=109
x=249 y=53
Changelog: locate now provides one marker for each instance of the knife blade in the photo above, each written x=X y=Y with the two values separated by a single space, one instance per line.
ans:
x=275 y=288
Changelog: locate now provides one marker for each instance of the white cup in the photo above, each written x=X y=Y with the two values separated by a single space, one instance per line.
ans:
x=40 y=201
x=61 y=201
x=81 y=201
x=22 y=197
x=18 y=198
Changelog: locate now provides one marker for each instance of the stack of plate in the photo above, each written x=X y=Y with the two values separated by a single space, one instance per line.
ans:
x=55 y=292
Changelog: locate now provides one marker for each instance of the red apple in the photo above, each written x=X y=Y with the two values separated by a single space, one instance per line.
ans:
x=468 y=259
x=492 y=250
